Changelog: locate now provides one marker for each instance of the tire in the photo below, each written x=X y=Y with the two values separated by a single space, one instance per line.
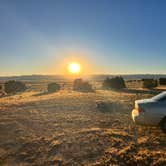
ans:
x=163 y=124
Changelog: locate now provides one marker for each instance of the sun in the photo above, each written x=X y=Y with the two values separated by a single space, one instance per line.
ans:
x=74 y=68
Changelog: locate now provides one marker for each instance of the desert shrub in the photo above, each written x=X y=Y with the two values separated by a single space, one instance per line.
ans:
x=53 y=87
x=149 y=83
x=82 y=86
x=114 y=83
x=14 y=86
x=162 y=81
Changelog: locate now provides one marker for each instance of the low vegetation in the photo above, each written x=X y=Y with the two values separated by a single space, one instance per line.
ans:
x=72 y=128
x=116 y=83
x=14 y=86
x=162 y=81
x=82 y=86
x=111 y=107
x=149 y=83
x=53 y=87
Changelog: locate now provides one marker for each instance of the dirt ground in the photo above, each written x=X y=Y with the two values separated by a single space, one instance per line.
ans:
x=66 y=128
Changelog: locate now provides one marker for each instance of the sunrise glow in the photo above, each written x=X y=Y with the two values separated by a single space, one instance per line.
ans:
x=74 y=68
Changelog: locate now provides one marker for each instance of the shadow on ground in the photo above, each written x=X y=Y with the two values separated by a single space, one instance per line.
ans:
x=142 y=91
x=43 y=93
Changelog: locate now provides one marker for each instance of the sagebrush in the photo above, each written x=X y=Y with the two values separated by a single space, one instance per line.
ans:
x=162 y=81
x=53 y=87
x=149 y=83
x=14 y=86
x=114 y=83
x=82 y=86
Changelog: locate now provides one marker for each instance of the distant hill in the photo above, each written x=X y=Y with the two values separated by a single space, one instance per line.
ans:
x=88 y=77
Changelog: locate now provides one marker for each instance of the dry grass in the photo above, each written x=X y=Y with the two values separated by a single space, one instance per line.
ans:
x=65 y=128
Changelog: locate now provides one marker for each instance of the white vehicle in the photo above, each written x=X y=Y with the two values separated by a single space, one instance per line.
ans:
x=151 y=111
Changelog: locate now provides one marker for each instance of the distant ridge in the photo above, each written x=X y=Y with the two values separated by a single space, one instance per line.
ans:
x=89 y=77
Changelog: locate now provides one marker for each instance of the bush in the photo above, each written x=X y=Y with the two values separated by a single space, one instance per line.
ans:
x=14 y=86
x=82 y=86
x=114 y=83
x=149 y=83
x=53 y=87
x=162 y=81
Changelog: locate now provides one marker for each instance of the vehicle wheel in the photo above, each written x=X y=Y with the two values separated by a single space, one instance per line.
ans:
x=163 y=124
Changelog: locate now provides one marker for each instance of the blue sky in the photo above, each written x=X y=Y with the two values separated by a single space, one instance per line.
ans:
x=105 y=36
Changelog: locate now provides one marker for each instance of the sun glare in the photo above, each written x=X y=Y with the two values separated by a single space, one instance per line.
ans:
x=74 y=68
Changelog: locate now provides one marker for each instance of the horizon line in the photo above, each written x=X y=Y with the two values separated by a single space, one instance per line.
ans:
x=81 y=74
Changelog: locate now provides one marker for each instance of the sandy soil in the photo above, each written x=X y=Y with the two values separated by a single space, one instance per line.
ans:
x=66 y=128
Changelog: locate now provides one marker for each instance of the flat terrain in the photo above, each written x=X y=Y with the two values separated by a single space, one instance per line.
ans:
x=66 y=128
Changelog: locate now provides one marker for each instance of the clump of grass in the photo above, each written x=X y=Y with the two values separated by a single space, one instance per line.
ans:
x=103 y=106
